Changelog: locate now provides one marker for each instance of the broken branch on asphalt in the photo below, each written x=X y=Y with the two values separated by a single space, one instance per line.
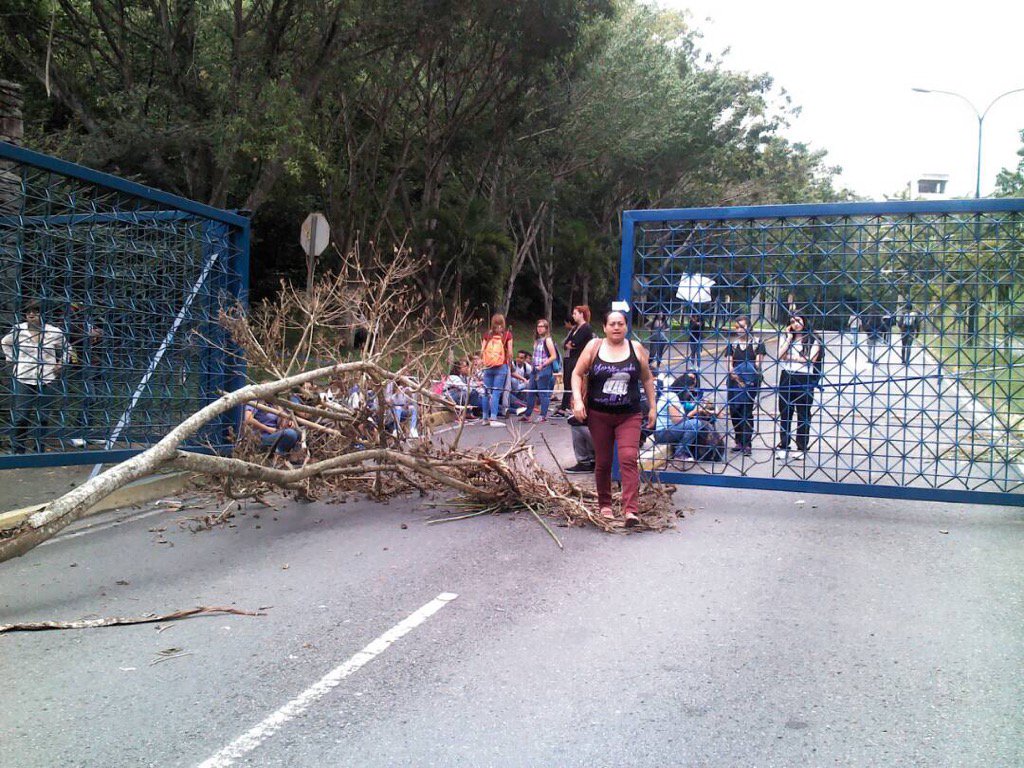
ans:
x=203 y=610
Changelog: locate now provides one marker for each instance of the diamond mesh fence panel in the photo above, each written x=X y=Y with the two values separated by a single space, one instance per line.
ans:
x=109 y=299
x=906 y=377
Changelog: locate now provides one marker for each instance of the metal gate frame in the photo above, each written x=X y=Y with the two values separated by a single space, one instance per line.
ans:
x=982 y=211
x=224 y=273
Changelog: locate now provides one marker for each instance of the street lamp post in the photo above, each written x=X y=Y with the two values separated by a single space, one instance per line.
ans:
x=981 y=122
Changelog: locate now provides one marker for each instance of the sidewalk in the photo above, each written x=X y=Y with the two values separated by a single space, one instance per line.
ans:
x=38 y=485
x=23 y=489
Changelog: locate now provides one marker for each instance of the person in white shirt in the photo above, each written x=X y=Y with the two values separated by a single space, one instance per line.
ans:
x=521 y=372
x=37 y=353
x=797 y=355
x=403 y=407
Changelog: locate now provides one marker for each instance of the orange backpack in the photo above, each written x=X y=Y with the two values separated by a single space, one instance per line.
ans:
x=494 y=350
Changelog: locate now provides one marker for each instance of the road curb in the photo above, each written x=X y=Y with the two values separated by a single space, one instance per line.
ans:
x=146 y=489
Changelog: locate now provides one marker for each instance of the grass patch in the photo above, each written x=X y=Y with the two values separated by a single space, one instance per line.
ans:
x=994 y=375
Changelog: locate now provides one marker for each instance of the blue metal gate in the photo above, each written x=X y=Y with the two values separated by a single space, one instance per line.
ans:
x=917 y=310
x=110 y=294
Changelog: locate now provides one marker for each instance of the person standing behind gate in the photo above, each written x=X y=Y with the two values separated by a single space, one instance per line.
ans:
x=542 y=379
x=37 y=353
x=876 y=329
x=745 y=353
x=606 y=393
x=798 y=354
x=87 y=371
x=658 y=341
x=578 y=337
x=909 y=323
x=496 y=359
x=695 y=328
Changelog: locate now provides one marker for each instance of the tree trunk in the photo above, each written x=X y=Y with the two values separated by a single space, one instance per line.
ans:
x=523 y=246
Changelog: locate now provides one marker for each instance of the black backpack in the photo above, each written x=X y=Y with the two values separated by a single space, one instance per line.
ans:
x=710 y=445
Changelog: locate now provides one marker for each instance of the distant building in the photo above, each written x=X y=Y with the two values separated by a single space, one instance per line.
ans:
x=929 y=186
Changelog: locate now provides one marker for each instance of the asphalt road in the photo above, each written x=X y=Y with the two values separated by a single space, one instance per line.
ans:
x=769 y=629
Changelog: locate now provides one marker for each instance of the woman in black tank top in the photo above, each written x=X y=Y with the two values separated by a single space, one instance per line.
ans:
x=606 y=393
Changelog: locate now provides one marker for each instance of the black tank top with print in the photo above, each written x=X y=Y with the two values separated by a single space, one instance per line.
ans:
x=614 y=387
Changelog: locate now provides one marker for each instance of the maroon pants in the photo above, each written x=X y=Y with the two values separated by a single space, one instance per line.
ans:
x=623 y=430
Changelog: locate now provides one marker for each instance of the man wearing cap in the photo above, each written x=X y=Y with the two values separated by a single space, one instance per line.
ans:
x=37 y=353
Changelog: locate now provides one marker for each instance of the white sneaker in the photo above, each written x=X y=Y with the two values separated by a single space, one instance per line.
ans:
x=77 y=442
x=496 y=423
x=781 y=453
x=413 y=432
x=797 y=455
x=520 y=410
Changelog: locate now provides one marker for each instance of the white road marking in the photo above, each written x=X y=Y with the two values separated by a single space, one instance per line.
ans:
x=105 y=526
x=256 y=735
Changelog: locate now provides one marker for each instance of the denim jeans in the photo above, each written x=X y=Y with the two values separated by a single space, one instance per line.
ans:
x=283 y=440
x=695 y=346
x=657 y=344
x=469 y=398
x=494 y=386
x=410 y=411
x=30 y=415
x=683 y=435
x=542 y=382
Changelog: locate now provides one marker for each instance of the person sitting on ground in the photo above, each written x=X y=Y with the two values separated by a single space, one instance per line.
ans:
x=685 y=418
x=476 y=379
x=521 y=371
x=457 y=389
x=274 y=432
x=403 y=407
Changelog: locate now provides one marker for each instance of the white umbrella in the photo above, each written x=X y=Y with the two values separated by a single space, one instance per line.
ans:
x=694 y=288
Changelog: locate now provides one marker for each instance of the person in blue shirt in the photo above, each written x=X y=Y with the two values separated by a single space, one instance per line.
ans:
x=682 y=416
x=273 y=431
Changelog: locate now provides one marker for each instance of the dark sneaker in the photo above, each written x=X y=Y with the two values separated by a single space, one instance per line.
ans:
x=580 y=469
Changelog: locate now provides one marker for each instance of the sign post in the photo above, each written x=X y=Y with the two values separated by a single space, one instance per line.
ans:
x=313 y=237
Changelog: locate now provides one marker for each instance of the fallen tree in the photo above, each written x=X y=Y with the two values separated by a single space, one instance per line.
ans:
x=349 y=446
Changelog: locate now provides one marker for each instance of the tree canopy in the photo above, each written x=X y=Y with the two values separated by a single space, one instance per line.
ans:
x=498 y=141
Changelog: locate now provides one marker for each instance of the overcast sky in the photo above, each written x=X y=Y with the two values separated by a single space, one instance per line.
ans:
x=851 y=67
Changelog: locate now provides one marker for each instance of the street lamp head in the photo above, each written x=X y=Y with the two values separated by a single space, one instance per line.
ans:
x=921 y=90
